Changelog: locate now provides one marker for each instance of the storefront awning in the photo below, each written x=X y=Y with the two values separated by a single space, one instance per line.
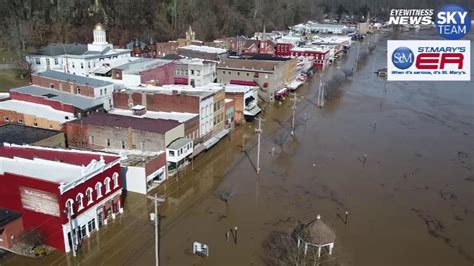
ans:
x=243 y=82
x=214 y=140
x=197 y=150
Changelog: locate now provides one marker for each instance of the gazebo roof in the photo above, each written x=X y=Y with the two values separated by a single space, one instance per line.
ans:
x=319 y=233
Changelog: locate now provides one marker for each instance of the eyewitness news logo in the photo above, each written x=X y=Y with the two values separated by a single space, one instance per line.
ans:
x=452 y=21
x=429 y=60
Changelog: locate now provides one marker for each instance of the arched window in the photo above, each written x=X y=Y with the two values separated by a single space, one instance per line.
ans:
x=89 y=195
x=107 y=185
x=79 y=199
x=69 y=206
x=98 y=190
x=115 y=177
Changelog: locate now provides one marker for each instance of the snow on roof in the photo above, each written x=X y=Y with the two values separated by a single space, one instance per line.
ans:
x=310 y=49
x=180 y=117
x=4 y=95
x=52 y=171
x=238 y=88
x=205 y=49
x=38 y=110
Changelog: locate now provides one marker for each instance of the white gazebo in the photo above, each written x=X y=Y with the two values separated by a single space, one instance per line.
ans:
x=318 y=235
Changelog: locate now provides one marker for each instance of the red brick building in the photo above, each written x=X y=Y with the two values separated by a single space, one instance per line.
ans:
x=11 y=228
x=320 y=56
x=259 y=47
x=283 y=49
x=57 y=190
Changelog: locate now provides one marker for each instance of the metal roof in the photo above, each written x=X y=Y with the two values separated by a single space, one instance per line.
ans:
x=179 y=143
x=55 y=49
x=79 y=101
x=7 y=216
x=73 y=78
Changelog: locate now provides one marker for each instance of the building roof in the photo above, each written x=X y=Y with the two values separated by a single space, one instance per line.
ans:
x=179 y=143
x=73 y=78
x=78 y=101
x=198 y=91
x=172 y=57
x=177 y=116
x=60 y=166
x=141 y=64
x=204 y=49
x=20 y=134
x=7 y=216
x=38 y=110
x=55 y=49
x=251 y=64
x=235 y=88
x=160 y=126
x=4 y=95
x=320 y=233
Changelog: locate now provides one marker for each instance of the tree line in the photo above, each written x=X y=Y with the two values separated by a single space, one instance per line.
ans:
x=34 y=23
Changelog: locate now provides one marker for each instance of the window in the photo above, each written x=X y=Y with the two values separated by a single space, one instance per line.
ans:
x=79 y=199
x=171 y=153
x=123 y=144
x=92 y=139
x=56 y=61
x=78 y=90
x=107 y=185
x=47 y=61
x=142 y=145
x=51 y=86
x=238 y=73
x=38 y=61
x=88 y=64
x=89 y=196
x=73 y=66
x=108 y=142
x=105 y=91
x=192 y=71
x=248 y=74
x=115 y=178
x=100 y=92
x=82 y=65
x=20 y=120
x=223 y=72
x=35 y=124
x=98 y=190
x=6 y=118
x=69 y=206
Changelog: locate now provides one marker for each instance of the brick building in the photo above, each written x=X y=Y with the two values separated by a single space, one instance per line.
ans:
x=66 y=194
x=89 y=87
x=143 y=71
x=269 y=74
x=11 y=228
x=20 y=134
x=33 y=115
x=111 y=132
x=62 y=101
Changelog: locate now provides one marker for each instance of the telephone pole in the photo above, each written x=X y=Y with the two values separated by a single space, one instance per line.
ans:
x=156 y=200
x=295 y=99
x=321 y=93
x=73 y=239
x=259 y=132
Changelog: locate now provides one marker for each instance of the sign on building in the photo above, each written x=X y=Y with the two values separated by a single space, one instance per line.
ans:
x=429 y=60
x=39 y=201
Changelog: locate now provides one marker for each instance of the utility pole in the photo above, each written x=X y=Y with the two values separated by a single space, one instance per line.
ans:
x=73 y=239
x=259 y=132
x=357 y=58
x=321 y=93
x=295 y=99
x=156 y=200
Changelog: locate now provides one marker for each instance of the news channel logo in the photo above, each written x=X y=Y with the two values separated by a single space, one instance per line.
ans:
x=429 y=60
x=452 y=21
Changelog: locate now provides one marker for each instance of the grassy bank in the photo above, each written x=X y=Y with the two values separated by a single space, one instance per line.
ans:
x=10 y=78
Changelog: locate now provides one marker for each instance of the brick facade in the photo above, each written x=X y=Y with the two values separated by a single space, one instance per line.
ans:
x=65 y=86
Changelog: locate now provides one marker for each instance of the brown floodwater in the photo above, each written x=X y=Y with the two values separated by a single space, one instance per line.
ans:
x=412 y=203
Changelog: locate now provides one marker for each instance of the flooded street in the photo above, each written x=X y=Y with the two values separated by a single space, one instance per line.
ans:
x=411 y=203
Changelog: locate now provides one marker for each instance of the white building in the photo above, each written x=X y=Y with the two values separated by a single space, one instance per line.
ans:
x=199 y=72
x=79 y=59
